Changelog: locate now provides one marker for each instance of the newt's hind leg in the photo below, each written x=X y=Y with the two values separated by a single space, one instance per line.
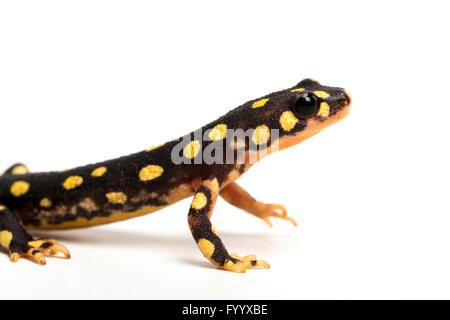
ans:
x=16 y=169
x=15 y=239
x=238 y=197
x=206 y=235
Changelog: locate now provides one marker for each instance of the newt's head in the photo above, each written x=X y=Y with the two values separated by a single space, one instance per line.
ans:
x=311 y=108
x=296 y=113
x=281 y=119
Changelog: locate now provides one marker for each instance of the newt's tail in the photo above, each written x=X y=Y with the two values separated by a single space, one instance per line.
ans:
x=16 y=169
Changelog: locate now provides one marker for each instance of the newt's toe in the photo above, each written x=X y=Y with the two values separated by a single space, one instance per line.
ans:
x=265 y=211
x=14 y=257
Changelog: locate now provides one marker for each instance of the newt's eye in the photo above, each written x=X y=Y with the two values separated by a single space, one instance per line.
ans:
x=306 y=106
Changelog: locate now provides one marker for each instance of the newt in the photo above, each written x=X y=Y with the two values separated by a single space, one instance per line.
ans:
x=204 y=165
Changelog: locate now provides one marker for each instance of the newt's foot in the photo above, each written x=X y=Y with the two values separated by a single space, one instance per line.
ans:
x=265 y=211
x=240 y=264
x=38 y=249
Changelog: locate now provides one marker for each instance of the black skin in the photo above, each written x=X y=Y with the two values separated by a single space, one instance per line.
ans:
x=123 y=173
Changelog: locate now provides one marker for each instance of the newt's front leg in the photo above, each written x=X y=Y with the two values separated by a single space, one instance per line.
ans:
x=206 y=235
x=238 y=197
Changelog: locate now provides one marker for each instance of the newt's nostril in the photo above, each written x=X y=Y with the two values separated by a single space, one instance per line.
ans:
x=347 y=97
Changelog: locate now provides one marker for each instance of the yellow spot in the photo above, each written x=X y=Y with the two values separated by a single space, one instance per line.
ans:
x=5 y=238
x=298 y=90
x=199 y=201
x=99 y=171
x=2 y=208
x=150 y=172
x=213 y=229
x=72 y=182
x=259 y=103
x=324 y=109
x=155 y=147
x=206 y=247
x=261 y=134
x=288 y=120
x=228 y=263
x=19 y=170
x=46 y=203
x=322 y=94
x=36 y=243
x=19 y=188
x=116 y=197
x=192 y=149
x=218 y=132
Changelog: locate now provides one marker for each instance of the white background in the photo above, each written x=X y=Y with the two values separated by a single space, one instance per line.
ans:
x=86 y=81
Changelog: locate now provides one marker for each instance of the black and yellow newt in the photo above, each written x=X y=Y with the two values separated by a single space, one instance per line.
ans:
x=203 y=164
